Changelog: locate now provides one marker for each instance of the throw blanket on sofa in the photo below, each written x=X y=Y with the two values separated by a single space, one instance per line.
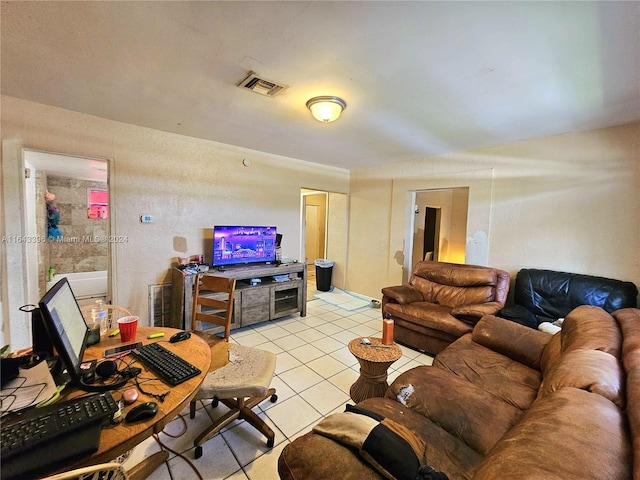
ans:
x=388 y=446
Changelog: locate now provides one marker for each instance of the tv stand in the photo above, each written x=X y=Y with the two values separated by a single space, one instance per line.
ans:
x=267 y=300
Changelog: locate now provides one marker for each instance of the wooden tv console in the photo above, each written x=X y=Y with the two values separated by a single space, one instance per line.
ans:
x=266 y=300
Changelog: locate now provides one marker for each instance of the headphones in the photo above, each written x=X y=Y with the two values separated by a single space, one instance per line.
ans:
x=105 y=371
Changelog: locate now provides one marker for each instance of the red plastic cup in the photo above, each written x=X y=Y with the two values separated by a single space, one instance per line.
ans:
x=128 y=327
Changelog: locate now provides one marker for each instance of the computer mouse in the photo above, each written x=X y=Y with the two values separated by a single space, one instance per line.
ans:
x=180 y=336
x=143 y=411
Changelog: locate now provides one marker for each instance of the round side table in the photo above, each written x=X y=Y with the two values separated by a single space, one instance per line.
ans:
x=374 y=361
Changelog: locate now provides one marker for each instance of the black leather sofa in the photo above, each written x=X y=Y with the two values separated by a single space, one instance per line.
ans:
x=547 y=295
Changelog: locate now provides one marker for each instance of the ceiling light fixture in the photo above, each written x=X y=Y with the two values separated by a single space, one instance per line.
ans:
x=326 y=109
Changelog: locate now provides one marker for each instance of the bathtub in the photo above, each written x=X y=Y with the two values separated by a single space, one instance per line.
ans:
x=84 y=284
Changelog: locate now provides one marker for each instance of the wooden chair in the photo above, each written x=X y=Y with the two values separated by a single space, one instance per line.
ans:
x=213 y=302
x=243 y=382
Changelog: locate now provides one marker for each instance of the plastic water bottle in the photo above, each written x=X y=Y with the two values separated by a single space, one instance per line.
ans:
x=99 y=316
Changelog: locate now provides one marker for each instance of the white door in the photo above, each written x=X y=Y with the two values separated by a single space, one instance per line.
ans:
x=312 y=243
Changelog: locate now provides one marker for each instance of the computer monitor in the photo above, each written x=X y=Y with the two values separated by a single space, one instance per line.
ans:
x=65 y=326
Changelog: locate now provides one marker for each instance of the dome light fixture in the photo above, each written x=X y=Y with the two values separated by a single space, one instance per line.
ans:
x=326 y=109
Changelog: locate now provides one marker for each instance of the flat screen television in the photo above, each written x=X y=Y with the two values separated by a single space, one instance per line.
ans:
x=65 y=325
x=235 y=245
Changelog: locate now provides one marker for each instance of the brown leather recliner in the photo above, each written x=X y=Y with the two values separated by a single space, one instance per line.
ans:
x=442 y=302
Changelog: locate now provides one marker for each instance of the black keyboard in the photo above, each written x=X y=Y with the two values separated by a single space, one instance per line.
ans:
x=43 y=437
x=169 y=366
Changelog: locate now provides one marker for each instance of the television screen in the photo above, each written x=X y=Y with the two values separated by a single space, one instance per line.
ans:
x=238 y=245
x=66 y=326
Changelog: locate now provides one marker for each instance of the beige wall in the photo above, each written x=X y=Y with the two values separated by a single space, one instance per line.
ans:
x=337 y=226
x=568 y=202
x=187 y=184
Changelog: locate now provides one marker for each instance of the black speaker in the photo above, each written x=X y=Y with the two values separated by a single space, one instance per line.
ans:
x=39 y=336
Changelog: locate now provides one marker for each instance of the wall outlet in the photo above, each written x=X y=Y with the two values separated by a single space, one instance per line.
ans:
x=146 y=218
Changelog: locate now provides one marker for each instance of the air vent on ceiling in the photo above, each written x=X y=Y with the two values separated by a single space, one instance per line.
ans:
x=262 y=86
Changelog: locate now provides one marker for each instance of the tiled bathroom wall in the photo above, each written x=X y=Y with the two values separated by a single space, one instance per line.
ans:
x=83 y=246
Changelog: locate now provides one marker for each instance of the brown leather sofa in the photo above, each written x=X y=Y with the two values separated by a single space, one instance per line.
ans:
x=442 y=302
x=507 y=402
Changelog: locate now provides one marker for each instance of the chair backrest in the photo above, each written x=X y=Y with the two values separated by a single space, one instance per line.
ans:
x=114 y=312
x=103 y=471
x=213 y=301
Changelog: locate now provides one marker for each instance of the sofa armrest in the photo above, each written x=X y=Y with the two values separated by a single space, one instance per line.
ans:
x=513 y=340
x=402 y=294
x=475 y=311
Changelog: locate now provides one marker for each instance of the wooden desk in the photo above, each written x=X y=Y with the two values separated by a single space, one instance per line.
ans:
x=116 y=440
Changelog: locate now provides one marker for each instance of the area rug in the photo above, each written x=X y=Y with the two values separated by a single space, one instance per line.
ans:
x=342 y=299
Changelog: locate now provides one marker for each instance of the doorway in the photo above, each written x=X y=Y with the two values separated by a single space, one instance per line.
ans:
x=76 y=246
x=426 y=234
x=315 y=226
x=324 y=234
x=440 y=225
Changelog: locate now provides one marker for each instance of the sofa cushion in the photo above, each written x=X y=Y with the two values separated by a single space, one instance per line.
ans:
x=463 y=409
x=306 y=459
x=590 y=370
x=551 y=353
x=593 y=328
x=452 y=295
x=569 y=434
x=519 y=314
x=459 y=275
x=511 y=381
x=521 y=344
x=430 y=315
x=475 y=311
x=629 y=320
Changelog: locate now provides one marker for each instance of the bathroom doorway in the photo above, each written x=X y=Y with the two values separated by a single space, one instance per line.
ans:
x=61 y=192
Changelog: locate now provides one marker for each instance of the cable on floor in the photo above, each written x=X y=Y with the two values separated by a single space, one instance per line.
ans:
x=162 y=445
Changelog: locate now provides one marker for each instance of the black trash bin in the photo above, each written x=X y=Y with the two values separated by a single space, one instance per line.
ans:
x=324 y=269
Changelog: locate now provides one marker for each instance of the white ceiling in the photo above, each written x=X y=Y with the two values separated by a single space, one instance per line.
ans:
x=419 y=78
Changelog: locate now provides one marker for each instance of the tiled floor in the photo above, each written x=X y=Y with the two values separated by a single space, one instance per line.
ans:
x=313 y=375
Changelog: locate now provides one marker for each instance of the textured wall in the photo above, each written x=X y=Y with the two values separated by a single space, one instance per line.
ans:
x=187 y=184
x=569 y=202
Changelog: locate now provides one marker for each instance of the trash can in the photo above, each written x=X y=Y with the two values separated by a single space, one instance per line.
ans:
x=324 y=269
